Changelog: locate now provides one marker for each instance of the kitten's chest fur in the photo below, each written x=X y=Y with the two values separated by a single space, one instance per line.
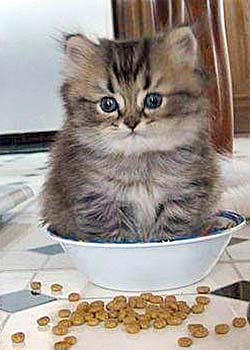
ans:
x=140 y=183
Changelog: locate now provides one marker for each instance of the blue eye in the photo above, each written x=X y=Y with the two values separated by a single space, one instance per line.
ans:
x=153 y=101
x=108 y=104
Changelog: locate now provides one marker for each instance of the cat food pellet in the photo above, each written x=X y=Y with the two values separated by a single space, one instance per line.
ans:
x=203 y=290
x=132 y=301
x=56 y=288
x=36 y=287
x=174 y=321
x=43 y=321
x=65 y=323
x=93 y=322
x=185 y=342
x=239 y=322
x=77 y=319
x=83 y=306
x=222 y=328
x=60 y=330
x=74 y=297
x=111 y=323
x=202 y=300
x=61 y=345
x=200 y=332
x=144 y=323
x=172 y=306
x=18 y=337
x=155 y=299
x=197 y=308
x=113 y=314
x=132 y=328
x=146 y=296
x=129 y=319
x=102 y=315
x=71 y=340
x=98 y=304
x=170 y=299
x=118 y=305
x=120 y=298
x=181 y=315
x=193 y=326
x=159 y=323
x=64 y=313
x=140 y=303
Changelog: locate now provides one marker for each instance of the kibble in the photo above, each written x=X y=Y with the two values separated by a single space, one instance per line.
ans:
x=174 y=321
x=56 y=288
x=43 y=321
x=60 y=330
x=18 y=337
x=61 y=345
x=170 y=299
x=155 y=299
x=111 y=323
x=132 y=328
x=102 y=315
x=199 y=332
x=71 y=340
x=77 y=319
x=185 y=342
x=197 y=308
x=159 y=323
x=36 y=287
x=202 y=300
x=93 y=322
x=64 y=313
x=74 y=297
x=239 y=322
x=65 y=323
x=203 y=290
x=222 y=328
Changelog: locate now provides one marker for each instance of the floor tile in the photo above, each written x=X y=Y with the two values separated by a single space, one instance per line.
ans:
x=244 y=269
x=240 y=251
x=60 y=261
x=236 y=240
x=13 y=281
x=22 y=300
x=22 y=237
x=3 y=317
x=239 y=290
x=53 y=249
x=21 y=261
x=243 y=233
x=71 y=280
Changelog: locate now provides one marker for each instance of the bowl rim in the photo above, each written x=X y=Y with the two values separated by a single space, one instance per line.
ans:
x=237 y=218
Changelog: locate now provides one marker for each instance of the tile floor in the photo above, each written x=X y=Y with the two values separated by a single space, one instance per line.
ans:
x=27 y=254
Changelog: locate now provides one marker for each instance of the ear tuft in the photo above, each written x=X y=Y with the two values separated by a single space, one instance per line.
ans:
x=183 y=46
x=79 y=48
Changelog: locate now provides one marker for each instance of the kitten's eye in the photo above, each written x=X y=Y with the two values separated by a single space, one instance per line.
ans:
x=108 y=104
x=153 y=101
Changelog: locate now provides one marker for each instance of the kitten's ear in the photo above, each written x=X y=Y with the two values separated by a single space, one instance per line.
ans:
x=79 y=48
x=182 y=46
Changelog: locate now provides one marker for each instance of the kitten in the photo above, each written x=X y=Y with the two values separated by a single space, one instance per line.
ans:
x=133 y=160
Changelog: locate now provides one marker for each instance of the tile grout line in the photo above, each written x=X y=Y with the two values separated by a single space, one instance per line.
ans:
x=5 y=322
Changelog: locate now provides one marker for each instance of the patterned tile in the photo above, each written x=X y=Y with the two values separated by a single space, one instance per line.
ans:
x=240 y=251
x=239 y=290
x=22 y=300
x=244 y=269
x=60 y=261
x=53 y=249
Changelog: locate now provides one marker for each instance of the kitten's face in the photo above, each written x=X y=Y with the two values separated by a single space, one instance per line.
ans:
x=136 y=96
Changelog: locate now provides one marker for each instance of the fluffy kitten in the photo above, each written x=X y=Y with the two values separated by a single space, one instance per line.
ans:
x=133 y=160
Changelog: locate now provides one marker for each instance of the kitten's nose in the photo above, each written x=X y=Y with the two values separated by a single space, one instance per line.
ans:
x=131 y=122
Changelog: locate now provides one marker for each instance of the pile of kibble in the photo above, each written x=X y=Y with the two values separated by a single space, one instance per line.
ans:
x=134 y=314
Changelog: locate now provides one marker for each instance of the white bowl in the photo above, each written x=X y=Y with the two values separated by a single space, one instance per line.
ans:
x=150 y=266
